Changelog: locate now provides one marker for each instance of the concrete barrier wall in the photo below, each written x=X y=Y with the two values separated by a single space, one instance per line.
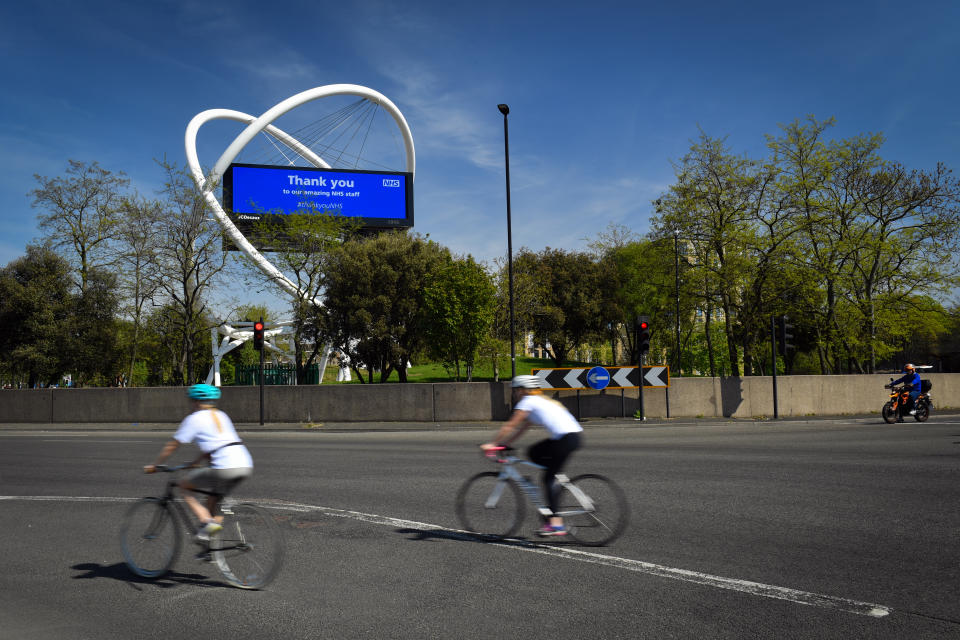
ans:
x=452 y=402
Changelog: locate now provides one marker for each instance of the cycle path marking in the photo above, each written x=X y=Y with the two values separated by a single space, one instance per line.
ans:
x=757 y=589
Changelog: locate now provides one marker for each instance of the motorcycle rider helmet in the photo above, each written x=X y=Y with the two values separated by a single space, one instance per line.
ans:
x=908 y=367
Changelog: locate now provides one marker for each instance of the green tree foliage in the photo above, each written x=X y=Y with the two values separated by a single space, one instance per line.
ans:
x=824 y=230
x=459 y=306
x=567 y=307
x=35 y=310
x=94 y=352
x=52 y=331
x=374 y=299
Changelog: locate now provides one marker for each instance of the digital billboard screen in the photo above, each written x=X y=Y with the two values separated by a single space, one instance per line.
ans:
x=266 y=193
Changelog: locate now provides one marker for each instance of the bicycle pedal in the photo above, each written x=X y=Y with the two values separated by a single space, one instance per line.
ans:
x=204 y=556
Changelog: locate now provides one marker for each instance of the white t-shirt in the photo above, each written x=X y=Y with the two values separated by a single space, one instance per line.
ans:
x=210 y=429
x=550 y=414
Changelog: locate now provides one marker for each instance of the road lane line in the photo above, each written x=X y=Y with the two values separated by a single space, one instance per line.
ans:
x=744 y=586
x=757 y=589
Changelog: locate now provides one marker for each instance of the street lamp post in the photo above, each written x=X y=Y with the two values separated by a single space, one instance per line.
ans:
x=504 y=109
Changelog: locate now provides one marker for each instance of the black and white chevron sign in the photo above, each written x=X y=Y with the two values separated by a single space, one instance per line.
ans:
x=620 y=377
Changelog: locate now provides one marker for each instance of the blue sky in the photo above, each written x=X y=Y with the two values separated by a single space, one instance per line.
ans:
x=603 y=95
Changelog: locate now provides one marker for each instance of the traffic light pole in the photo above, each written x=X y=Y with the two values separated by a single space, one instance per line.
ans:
x=261 y=381
x=773 y=353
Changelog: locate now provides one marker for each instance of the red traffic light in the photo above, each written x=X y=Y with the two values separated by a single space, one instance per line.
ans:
x=258 y=335
x=644 y=326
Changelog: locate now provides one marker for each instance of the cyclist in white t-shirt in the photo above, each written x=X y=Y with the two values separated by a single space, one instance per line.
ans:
x=229 y=462
x=531 y=408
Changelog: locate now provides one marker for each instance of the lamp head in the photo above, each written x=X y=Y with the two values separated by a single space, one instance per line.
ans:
x=504 y=109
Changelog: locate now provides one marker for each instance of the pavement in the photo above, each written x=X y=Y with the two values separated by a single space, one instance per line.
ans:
x=628 y=422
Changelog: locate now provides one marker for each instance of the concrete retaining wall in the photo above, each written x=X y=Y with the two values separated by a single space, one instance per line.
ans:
x=453 y=402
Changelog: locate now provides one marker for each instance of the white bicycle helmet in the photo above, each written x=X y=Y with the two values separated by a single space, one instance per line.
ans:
x=525 y=382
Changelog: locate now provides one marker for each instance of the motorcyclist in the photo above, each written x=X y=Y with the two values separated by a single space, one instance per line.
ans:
x=911 y=379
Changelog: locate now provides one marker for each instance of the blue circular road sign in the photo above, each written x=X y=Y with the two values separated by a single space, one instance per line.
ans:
x=598 y=378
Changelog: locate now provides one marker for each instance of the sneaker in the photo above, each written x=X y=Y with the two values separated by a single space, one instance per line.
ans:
x=207 y=530
x=912 y=412
x=551 y=530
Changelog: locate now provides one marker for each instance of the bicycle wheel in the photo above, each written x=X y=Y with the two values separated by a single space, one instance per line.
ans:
x=490 y=505
x=601 y=517
x=149 y=538
x=889 y=413
x=249 y=549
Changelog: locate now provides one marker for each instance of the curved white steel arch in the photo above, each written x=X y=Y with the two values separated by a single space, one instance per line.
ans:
x=255 y=125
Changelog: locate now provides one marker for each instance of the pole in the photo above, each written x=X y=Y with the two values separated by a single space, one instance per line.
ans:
x=676 y=273
x=261 y=380
x=773 y=352
x=504 y=109
x=636 y=341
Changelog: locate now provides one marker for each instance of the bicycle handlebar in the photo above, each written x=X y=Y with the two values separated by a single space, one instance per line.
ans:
x=164 y=468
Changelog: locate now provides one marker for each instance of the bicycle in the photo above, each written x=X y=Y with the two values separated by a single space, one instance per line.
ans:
x=491 y=503
x=248 y=551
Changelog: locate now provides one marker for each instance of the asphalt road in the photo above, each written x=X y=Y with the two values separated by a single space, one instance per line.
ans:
x=786 y=530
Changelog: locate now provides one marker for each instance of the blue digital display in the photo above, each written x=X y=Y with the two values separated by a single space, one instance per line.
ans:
x=380 y=199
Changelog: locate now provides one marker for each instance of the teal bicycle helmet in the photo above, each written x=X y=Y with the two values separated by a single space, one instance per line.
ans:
x=203 y=392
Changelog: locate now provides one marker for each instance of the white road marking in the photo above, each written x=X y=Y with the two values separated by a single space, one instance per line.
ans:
x=757 y=589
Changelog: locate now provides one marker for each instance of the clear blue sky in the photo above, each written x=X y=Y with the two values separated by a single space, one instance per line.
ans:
x=603 y=95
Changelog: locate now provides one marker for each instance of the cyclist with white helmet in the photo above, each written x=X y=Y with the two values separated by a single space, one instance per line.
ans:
x=229 y=462
x=532 y=408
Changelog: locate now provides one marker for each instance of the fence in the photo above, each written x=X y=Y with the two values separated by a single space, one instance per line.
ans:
x=275 y=374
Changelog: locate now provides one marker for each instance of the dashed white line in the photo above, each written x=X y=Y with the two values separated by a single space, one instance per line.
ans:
x=757 y=589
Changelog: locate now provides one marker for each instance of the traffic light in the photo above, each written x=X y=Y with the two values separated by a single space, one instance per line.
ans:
x=258 y=335
x=643 y=333
x=786 y=334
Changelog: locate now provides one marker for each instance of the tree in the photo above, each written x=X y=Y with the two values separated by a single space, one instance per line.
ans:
x=136 y=257
x=36 y=307
x=374 y=299
x=568 y=308
x=308 y=240
x=81 y=211
x=459 y=305
x=712 y=205
x=190 y=258
x=93 y=349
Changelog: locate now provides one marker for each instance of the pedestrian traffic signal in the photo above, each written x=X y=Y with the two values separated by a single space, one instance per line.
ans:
x=258 y=335
x=643 y=333
x=786 y=334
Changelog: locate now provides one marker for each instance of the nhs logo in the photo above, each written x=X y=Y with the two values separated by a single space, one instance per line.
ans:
x=391 y=182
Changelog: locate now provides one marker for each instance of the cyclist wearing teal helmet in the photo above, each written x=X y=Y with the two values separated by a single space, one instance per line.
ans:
x=531 y=408
x=228 y=461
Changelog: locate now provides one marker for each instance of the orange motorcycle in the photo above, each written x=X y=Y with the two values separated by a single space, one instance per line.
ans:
x=900 y=397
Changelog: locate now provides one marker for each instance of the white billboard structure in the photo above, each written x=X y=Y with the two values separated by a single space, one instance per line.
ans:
x=208 y=183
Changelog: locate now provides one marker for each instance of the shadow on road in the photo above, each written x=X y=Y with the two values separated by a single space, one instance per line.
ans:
x=463 y=536
x=119 y=571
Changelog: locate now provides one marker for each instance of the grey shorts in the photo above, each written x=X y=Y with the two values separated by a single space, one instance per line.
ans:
x=221 y=481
